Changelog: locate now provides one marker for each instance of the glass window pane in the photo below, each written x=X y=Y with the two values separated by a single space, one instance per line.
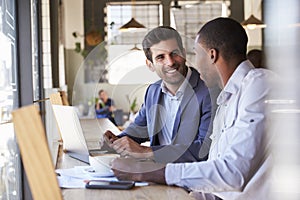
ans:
x=10 y=171
x=190 y=17
x=121 y=44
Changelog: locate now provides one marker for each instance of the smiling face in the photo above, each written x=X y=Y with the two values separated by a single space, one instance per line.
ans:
x=168 y=62
x=205 y=60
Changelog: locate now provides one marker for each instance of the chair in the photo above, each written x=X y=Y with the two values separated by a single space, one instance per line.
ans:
x=35 y=153
x=118 y=116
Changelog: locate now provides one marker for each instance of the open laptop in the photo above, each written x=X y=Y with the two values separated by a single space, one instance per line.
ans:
x=74 y=142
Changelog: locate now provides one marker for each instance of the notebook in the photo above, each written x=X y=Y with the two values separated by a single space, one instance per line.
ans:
x=74 y=142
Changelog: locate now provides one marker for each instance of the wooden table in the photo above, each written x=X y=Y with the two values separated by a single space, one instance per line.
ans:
x=93 y=129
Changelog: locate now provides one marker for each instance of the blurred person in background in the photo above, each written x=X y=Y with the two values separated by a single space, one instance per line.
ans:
x=256 y=57
x=105 y=106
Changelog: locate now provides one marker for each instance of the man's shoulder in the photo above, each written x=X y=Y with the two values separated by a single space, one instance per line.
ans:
x=259 y=74
x=153 y=88
x=196 y=82
x=155 y=85
x=257 y=83
x=195 y=78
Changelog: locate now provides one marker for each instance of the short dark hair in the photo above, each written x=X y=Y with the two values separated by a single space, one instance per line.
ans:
x=225 y=35
x=256 y=57
x=158 y=34
x=100 y=91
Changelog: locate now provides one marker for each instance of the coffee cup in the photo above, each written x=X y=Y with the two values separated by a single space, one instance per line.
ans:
x=102 y=163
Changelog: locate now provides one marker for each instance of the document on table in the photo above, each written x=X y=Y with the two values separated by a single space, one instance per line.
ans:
x=77 y=177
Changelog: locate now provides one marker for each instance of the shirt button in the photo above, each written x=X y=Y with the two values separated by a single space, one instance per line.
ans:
x=218 y=155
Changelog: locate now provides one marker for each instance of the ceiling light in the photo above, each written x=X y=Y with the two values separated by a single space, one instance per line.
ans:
x=93 y=37
x=135 y=48
x=252 y=22
x=133 y=24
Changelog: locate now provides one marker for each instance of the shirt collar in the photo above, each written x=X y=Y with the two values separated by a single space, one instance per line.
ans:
x=234 y=82
x=182 y=87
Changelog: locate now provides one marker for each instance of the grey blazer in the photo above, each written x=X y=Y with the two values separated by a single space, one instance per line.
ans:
x=190 y=127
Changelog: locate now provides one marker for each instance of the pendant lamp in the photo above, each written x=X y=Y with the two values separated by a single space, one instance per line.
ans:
x=252 y=22
x=93 y=37
x=133 y=24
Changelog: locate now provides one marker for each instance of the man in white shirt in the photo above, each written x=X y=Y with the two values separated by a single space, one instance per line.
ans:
x=239 y=164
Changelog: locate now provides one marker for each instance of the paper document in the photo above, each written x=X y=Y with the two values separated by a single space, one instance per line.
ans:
x=77 y=176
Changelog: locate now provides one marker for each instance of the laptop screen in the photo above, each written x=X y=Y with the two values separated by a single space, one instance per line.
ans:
x=70 y=129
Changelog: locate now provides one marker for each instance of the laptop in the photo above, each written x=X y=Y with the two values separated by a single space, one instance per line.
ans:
x=74 y=142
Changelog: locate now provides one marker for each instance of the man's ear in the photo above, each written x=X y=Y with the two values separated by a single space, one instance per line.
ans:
x=213 y=55
x=150 y=65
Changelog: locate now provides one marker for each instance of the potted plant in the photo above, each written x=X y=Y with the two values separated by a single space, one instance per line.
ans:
x=133 y=106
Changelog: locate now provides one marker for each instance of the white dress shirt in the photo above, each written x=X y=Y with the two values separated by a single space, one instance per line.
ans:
x=238 y=165
x=171 y=103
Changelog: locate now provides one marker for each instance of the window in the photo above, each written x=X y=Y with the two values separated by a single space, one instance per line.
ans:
x=189 y=17
x=10 y=181
x=118 y=15
x=126 y=60
x=46 y=45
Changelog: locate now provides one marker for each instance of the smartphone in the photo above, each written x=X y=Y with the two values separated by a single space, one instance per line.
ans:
x=102 y=184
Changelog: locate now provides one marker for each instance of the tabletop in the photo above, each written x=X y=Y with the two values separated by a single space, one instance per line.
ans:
x=93 y=130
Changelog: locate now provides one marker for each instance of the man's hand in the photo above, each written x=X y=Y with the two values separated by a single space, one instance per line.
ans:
x=128 y=147
x=109 y=137
x=132 y=169
x=125 y=146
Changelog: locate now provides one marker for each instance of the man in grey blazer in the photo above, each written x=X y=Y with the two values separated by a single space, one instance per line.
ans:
x=176 y=112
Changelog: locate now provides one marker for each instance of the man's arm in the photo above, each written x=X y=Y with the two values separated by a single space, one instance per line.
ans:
x=139 y=170
x=103 y=110
x=128 y=142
